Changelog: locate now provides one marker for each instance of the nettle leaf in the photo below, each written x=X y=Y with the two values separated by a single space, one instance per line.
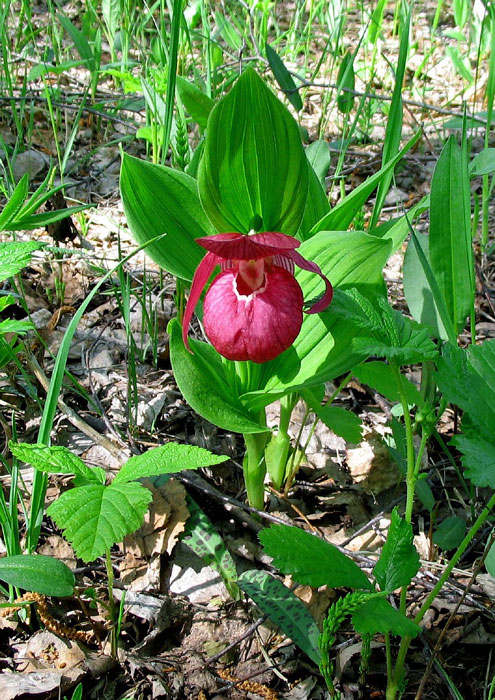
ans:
x=95 y=517
x=395 y=337
x=56 y=460
x=309 y=559
x=467 y=378
x=254 y=171
x=38 y=574
x=201 y=536
x=284 y=608
x=399 y=560
x=14 y=256
x=166 y=459
x=377 y=616
x=478 y=458
x=160 y=200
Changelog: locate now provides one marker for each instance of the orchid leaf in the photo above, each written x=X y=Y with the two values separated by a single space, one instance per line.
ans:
x=254 y=171
x=160 y=200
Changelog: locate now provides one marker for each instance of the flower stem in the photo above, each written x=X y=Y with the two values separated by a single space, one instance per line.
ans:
x=254 y=468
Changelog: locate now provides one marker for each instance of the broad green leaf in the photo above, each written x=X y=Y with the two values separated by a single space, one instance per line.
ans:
x=95 y=517
x=254 y=172
x=381 y=377
x=417 y=290
x=161 y=200
x=283 y=78
x=451 y=255
x=14 y=256
x=478 y=458
x=15 y=202
x=56 y=459
x=341 y=216
x=196 y=102
x=450 y=533
x=201 y=379
x=483 y=163
x=284 y=608
x=490 y=560
x=346 y=84
x=19 y=327
x=166 y=459
x=311 y=560
x=317 y=205
x=202 y=537
x=344 y=423
x=377 y=616
x=38 y=574
x=399 y=560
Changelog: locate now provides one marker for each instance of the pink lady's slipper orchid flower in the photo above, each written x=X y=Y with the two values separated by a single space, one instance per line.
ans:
x=253 y=309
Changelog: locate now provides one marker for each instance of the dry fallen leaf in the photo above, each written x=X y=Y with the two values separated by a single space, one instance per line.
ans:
x=163 y=523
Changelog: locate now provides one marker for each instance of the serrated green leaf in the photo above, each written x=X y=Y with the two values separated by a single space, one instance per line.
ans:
x=377 y=616
x=38 y=574
x=202 y=537
x=478 y=458
x=311 y=560
x=251 y=136
x=284 y=608
x=467 y=378
x=56 y=459
x=95 y=517
x=14 y=256
x=450 y=533
x=166 y=459
x=399 y=560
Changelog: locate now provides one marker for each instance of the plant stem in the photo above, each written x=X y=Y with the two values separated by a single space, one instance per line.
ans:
x=411 y=471
x=394 y=684
x=254 y=468
x=111 y=604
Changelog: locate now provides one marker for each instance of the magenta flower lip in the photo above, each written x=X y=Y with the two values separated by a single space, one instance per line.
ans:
x=253 y=308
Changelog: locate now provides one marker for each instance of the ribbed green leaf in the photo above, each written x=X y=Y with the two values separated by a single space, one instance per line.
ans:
x=14 y=256
x=377 y=616
x=56 y=459
x=201 y=379
x=399 y=560
x=254 y=172
x=196 y=102
x=15 y=202
x=161 y=200
x=451 y=255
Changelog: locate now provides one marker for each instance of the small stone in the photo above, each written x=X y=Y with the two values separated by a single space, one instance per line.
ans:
x=31 y=162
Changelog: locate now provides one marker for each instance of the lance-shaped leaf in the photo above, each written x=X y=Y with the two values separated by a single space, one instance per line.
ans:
x=160 y=200
x=37 y=573
x=254 y=172
x=311 y=560
x=451 y=255
x=399 y=560
x=284 y=608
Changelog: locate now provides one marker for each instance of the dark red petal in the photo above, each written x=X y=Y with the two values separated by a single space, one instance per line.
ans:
x=238 y=246
x=203 y=272
x=301 y=262
x=258 y=327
